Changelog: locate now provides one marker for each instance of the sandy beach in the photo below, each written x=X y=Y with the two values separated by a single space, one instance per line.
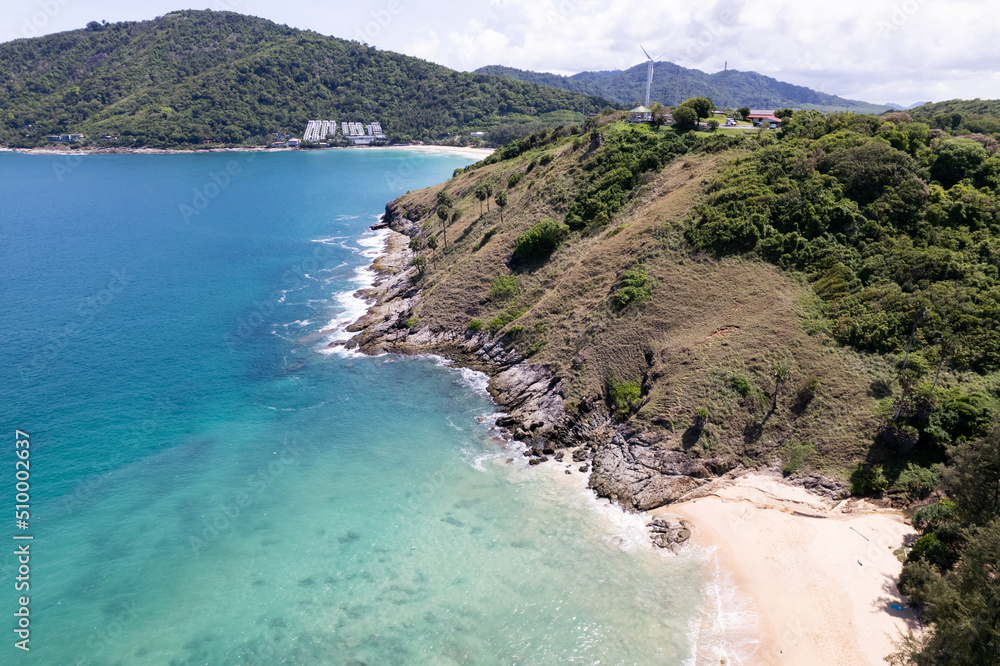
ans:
x=821 y=575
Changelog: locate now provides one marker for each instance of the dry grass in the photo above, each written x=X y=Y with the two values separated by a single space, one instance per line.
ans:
x=708 y=321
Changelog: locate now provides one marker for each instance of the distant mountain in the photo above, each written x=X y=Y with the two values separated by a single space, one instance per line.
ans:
x=673 y=84
x=898 y=107
x=203 y=77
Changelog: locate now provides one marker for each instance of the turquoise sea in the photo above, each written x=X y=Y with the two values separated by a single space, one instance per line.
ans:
x=207 y=486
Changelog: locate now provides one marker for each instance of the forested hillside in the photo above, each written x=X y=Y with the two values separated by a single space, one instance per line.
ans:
x=824 y=300
x=672 y=84
x=202 y=77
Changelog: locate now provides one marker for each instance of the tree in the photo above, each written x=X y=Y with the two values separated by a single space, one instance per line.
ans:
x=702 y=106
x=743 y=112
x=416 y=243
x=780 y=374
x=432 y=243
x=480 y=193
x=685 y=117
x=488 y=188
x=783 y=113
x=443 y=212
x=444 y=199
x=713 y=124
x=501 y=199
x=973 y=478
x=958 y=159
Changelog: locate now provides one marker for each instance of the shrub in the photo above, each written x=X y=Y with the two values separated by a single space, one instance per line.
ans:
x=504 y=318
x=633 y=287
x=795 y=456
x=625 y=396
x=475 y=325
x=742 y=386
x=514 y=179
x=545 y=160
x=412 y=322
x=868 y=479
x=540 y=241
x=916 y=482
x=505 y=287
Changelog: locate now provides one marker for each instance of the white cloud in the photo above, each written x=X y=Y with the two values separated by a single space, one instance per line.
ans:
x=877 y=50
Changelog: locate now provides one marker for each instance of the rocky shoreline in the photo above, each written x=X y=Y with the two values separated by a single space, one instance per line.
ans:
x=628 y=466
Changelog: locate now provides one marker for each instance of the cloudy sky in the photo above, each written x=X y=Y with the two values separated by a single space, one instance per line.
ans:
x=901 y=51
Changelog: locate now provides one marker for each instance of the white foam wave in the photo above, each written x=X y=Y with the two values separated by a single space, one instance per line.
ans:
x=726 y=630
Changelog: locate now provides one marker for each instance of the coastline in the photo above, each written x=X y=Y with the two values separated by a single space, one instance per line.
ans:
x=814 y=574
x=820 y=575
x=56 y=150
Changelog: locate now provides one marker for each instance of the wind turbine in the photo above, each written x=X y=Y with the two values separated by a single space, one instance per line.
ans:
x=649 y=76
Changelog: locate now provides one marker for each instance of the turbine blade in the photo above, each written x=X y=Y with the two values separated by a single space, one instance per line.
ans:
x=644 y=50
x=661 y=55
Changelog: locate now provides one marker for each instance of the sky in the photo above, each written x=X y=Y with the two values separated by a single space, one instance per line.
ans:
x=901 y=51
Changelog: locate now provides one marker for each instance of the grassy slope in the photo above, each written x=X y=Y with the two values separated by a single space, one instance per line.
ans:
x=709 y=320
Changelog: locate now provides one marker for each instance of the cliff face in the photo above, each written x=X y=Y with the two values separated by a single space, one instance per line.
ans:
x=557 y=349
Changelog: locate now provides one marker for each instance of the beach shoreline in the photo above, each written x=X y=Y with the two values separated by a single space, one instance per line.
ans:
x=481 y=153
x=814 y=577
x=821 y=575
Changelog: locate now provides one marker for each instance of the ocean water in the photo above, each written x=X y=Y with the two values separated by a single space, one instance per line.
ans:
x=209 y=486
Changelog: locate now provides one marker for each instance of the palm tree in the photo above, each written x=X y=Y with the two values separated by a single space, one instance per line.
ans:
x=443 y=212
x=480 y=193
x=501 y=199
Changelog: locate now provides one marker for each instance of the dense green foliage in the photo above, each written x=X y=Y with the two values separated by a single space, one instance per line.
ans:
x=898 y=232
x=896 y=226
x=634 y=286
x=204 y=77
x=673 y=83
x=953 y=570
x=625 y=396
x=616 y=170
x=540 y=241
x=961 y=116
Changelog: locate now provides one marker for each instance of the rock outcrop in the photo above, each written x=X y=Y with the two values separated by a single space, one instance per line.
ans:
x=631 y=468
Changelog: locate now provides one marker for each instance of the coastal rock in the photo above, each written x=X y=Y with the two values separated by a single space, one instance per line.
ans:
x=823 y=485
x=668 y=534
x=641 y=475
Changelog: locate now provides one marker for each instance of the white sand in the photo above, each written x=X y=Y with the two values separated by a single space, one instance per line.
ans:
x=822 y=577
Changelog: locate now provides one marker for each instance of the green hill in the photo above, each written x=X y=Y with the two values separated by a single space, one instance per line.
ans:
x=959 y=116
x=672 y=84
x=204 y=77
x=823 y=300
